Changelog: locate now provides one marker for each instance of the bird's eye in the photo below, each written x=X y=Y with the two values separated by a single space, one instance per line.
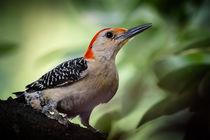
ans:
x=109 y=34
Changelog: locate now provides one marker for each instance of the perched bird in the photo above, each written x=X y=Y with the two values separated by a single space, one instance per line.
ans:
x=76 y=86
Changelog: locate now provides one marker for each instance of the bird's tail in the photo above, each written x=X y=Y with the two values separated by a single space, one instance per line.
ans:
x=19 y=93
x=20 y=97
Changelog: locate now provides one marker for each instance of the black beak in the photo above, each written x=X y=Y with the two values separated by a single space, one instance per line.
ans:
x=134 y=31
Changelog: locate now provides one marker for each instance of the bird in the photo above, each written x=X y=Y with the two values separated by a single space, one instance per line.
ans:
x=75 y=87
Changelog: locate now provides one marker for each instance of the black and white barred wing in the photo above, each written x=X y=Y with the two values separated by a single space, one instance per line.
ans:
x=66 y=73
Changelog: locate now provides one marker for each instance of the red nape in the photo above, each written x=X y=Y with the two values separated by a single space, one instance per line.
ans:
x=89 y=53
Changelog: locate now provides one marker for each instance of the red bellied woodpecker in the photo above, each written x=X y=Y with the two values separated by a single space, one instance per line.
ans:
x=76 y=86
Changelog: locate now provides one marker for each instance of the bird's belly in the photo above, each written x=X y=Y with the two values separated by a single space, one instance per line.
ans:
x=82 y=97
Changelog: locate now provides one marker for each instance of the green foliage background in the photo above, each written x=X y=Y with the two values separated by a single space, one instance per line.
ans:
x=164 y=72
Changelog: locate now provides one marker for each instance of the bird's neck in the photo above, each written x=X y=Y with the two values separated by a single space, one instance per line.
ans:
x=101 y=61
x=101 y=66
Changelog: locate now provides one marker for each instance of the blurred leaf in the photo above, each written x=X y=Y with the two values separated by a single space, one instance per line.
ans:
x=170 y=127
x=203 y=43
x=6 y=48
x=59 y=53
x=185 y=81
x=201 y=103
x=134 y=95
x=171 y=104
x=176 y=11
x=173 y=63
x=178 y=80
x=104 y=123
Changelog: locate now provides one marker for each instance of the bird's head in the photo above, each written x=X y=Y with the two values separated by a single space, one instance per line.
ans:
x=107 y=42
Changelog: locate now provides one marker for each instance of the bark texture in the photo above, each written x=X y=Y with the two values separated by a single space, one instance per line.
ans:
x=20 y=121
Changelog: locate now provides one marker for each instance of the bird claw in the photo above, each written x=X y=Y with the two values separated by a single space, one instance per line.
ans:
x=58 y=117
x=52 y=113
x=63 y=120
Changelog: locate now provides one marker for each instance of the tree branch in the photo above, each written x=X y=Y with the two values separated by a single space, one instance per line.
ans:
x=20 y=121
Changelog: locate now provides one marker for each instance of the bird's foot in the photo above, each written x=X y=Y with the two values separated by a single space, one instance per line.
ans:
x=56 y=116
x=63 y=120
x=52 y=113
